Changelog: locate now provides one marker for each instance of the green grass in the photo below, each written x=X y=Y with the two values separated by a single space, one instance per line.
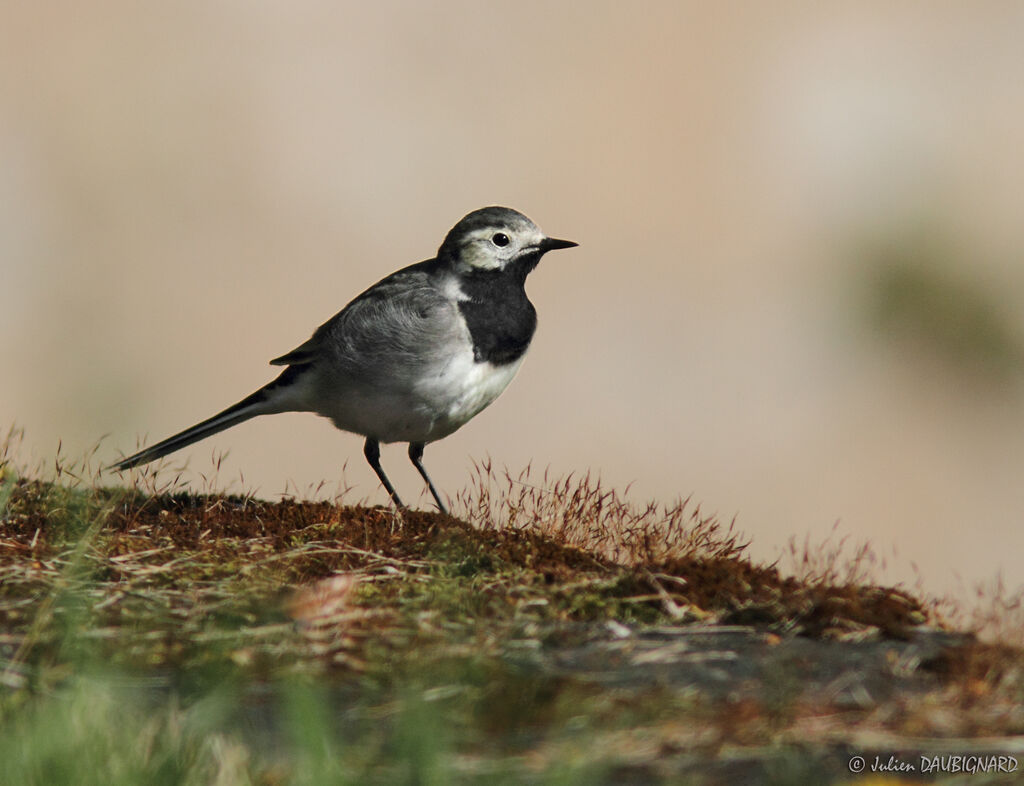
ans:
x=149 y=635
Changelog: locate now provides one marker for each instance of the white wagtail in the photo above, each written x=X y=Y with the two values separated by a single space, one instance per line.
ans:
x=415 y=356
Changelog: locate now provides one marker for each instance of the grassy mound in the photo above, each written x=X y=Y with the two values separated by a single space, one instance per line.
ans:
x=552 y=633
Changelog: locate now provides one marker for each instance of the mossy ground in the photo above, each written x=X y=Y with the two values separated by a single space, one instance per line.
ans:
x=552 y=634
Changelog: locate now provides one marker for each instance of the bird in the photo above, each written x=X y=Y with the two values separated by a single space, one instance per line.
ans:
x=417 y=355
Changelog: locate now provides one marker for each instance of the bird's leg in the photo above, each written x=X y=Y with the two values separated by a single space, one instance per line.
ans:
x=372 y=452
x=416 y=456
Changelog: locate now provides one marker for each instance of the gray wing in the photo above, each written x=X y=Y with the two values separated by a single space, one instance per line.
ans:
x=400 y=325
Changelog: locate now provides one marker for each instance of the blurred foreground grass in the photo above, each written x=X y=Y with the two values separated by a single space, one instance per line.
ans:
x=557 y=634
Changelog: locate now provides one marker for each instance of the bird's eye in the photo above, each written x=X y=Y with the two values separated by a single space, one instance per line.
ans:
x=500 y=239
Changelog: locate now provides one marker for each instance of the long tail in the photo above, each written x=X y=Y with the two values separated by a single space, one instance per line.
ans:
x=259 y=403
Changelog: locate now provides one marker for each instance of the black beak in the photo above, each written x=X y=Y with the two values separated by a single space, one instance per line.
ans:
x=551 y=244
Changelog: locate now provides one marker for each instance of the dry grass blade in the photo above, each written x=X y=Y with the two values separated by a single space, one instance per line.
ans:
x=578 y=511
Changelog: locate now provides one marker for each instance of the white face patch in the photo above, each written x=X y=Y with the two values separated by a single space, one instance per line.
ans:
x=482 y=248
x=480 y=252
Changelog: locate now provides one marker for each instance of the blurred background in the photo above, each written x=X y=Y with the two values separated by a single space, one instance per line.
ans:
x=799 y=292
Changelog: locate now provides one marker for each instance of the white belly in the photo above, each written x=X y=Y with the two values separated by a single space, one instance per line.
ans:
x=430 y=408
x=464 y=390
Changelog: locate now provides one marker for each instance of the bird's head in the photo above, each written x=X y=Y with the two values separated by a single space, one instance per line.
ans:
x=496 y=239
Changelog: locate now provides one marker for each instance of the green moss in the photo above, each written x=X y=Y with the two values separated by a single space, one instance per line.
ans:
x=362 y=647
